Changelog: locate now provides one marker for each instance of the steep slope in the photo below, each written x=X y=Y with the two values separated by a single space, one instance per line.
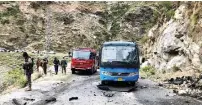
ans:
x=175 y=45
x=73 y=24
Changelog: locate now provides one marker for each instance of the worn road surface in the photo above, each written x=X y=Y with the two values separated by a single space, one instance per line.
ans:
x=83 y=86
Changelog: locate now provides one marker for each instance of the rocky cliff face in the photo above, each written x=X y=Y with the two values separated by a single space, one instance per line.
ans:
x=173 y=45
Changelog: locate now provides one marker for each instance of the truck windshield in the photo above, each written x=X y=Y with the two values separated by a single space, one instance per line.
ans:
x=119 y=54
x=81 y=54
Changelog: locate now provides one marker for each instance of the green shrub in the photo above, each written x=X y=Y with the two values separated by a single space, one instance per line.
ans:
x=149 y=70
x=194 y=19
x=167 y=8
x=166 y=4
x=170 y=14
x=15 y=77
x=20 y=22
x=175 y=68
x=12 y=60
x=11 y=11
x=144 y=39
x=5 y=21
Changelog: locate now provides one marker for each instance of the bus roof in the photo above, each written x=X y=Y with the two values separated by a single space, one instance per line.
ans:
x=122 y=43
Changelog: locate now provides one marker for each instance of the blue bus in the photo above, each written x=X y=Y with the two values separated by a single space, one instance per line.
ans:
x=119 y=61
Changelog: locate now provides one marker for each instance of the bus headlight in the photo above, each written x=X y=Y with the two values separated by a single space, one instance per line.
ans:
x=132 y=74
x=106 y=73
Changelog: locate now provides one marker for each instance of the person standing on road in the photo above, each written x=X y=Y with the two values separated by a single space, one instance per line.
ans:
x=32 y=66
x=63 y=65
x=28 y=67
x=56 y=65
x=44 y=65
x=38 y=63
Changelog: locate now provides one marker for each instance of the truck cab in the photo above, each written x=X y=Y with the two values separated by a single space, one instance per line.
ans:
x=84 y=59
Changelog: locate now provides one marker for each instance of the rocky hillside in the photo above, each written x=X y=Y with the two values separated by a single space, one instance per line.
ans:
x=167 y=32
x=175 y=44
x=77 y=24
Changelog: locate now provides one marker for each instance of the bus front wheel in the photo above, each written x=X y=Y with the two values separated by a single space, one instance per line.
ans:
x=104 y=82
x=132 y=83
x=73 y=71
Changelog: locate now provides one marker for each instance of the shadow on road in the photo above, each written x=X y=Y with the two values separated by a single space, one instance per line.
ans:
x=86 y=73
x=117 y=86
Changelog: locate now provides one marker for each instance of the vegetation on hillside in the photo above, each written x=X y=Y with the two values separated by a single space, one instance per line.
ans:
x=147 y=71
x=15 y=77
x=128 y=21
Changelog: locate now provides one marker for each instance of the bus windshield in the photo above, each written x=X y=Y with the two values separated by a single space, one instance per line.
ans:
x=81 y=54
x=123 y=54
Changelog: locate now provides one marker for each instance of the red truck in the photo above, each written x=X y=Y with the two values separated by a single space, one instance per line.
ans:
x=84 y=59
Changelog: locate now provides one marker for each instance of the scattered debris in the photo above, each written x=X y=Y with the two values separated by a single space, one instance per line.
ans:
x=114 y=88
x=103 y=87
x=187 y=102
x=160 y=84
x=73 y=98
x=50 y=99
x=29 y=99
x=142 y=78
x=182 y=92
x=108 y=94
x=143 y=87
x=186 y=86
x=175 y=91
x=110 y=100
x=17 y=102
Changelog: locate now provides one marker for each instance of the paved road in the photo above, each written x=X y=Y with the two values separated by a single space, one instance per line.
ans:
x=85 y=88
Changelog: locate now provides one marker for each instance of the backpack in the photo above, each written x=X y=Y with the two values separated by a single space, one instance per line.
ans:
x=29 y=67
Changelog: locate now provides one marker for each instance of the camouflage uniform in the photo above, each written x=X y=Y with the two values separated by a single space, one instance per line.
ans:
x=28 y=69
x=38 y=63
x=64 y=65
x=44 y=65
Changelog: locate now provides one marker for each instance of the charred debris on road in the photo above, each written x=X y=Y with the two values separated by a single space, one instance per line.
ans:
x=185 y=86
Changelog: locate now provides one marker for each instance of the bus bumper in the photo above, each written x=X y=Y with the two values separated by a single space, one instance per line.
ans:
x=119 y=78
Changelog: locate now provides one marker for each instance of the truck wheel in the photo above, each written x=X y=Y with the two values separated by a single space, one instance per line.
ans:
x=91 y=71
x=73 y=71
